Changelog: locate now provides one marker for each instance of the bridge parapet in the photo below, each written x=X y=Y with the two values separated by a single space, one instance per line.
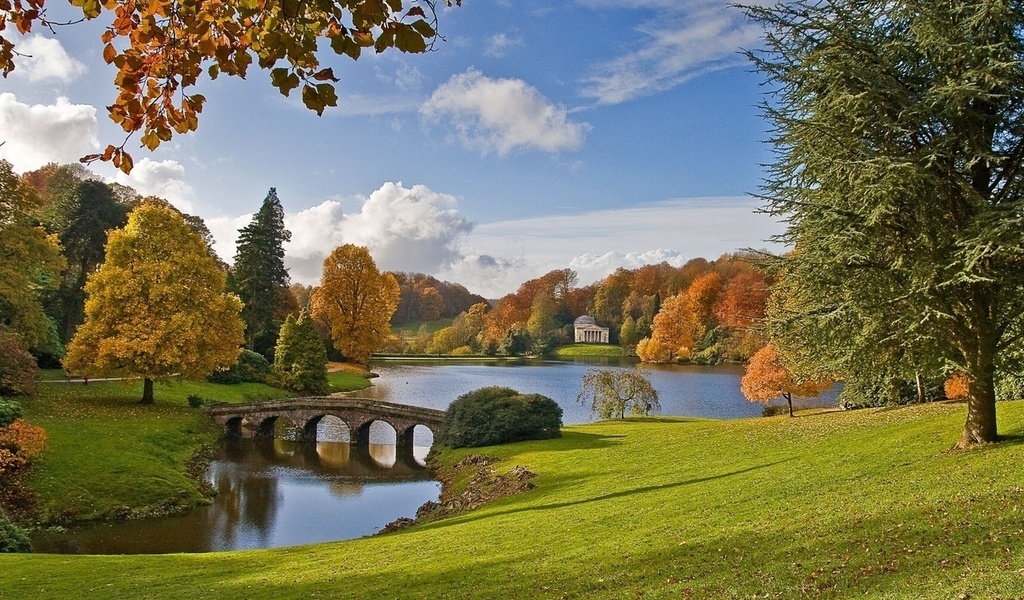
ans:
x=357 y=413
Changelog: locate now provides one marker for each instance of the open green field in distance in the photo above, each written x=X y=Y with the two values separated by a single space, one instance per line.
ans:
x=587 y=350
x=869 y=503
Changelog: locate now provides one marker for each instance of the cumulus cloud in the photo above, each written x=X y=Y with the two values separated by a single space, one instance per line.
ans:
x=405 y=229
x=165 y=179
x=498 y=45
x=681 y=41
x=42 y=59
x=502 y=115
x=34 y=135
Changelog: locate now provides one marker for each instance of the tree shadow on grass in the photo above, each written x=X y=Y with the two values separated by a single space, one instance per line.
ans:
x=615 y=495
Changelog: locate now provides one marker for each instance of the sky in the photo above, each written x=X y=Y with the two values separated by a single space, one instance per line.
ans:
x=538 y=135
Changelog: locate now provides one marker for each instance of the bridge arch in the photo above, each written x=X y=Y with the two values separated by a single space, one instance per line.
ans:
x=319 y=427
x=358 y=415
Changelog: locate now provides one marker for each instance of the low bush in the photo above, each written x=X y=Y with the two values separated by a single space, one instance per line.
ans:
x=9 y=412
x=12 y=537
x=497 y=415
x=195 y=401
x=251 y=367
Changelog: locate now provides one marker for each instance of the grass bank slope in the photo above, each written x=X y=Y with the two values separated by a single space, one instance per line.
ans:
x=108 y=456
x=827 y=505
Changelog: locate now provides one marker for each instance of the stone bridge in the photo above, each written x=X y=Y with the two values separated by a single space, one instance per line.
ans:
x=258 y=419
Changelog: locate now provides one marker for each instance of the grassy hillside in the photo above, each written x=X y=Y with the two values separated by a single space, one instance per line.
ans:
x=865 y=503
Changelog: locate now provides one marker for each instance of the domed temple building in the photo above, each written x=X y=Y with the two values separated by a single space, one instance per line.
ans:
x=589 y=332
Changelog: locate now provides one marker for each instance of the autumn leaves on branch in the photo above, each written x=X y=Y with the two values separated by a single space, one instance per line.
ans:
x=162 y=48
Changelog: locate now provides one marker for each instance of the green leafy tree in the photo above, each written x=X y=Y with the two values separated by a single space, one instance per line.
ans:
x=260 y=275
x=93 y=212
x=611 y=392
x=300 y=361
x=157 y=306
x=899 y=173
x=30 y=263
x=628 y=335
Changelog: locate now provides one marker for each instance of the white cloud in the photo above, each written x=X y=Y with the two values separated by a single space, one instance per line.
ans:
x=33 y=135
x=595 y=243
x=164 y=179
x=41 y=59
x=499 y=44
x=405 y=229
x=501 y=115
x=683 y=40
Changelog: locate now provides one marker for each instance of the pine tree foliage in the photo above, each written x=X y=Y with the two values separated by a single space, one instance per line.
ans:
x=899 y=140
x=260 y=274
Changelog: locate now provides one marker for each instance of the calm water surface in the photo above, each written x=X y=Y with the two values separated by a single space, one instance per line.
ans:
x=273 y=493
x=684 y=390
x=280 y=493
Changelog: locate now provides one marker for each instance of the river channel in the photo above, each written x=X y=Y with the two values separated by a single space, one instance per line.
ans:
x=273 y=493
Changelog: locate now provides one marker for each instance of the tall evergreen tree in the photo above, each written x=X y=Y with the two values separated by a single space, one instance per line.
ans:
x=260 y=276
x=899 y=169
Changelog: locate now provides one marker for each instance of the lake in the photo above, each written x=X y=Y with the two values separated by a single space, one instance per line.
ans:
x=275 y=493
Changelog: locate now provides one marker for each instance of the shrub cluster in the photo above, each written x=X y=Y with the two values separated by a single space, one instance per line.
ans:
x=497 y=415
x=251 y=367
x=9 y=412
x=12 y=537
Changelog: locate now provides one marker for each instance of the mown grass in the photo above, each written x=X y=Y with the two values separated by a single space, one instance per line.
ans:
x=832 y=505
x=108 y=456
x=587 y=350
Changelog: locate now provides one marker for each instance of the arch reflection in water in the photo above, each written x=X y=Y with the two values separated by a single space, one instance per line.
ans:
x=273 y=493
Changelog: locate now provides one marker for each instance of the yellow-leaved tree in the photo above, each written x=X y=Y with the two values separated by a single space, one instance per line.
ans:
x=356 y=301
x=157 y=306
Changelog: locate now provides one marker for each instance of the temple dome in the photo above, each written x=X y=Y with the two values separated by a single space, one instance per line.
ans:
x=584 y=320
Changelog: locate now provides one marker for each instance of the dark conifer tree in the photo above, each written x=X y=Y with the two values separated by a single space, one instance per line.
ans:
x=260 y=276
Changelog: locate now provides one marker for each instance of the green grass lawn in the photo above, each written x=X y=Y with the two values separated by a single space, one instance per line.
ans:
x=588 y=350
x=860 y=503
x=344 y=381
x=107 y=455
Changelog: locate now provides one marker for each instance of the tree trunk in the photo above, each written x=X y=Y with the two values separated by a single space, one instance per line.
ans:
x=980 y=427
x=147 y=391
x=920 y=387
x=789 y=400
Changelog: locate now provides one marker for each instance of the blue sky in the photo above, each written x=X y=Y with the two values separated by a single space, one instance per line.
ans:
x=588 y=134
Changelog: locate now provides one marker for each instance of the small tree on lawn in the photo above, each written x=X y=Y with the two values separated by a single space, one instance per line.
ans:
x=300 y=362
x=611 y=393
x=768 y=378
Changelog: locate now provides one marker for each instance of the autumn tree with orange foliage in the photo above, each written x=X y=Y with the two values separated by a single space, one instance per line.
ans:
x=767 y=378
x=356 y=301
x=20 y=441
x=956 y=387
x=162 y=49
